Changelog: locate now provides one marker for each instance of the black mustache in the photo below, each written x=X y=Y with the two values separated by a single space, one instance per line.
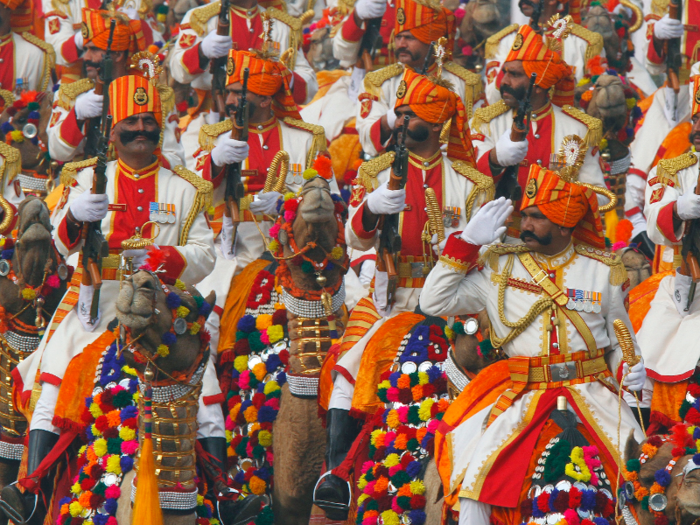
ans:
x=419 y=134
x=693 y=136
x=405 y=50
x=90 y=63
x=518 y=94
x=129 y=136
x=544 y=241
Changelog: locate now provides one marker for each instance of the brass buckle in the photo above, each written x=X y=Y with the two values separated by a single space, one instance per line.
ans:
x=534 y=277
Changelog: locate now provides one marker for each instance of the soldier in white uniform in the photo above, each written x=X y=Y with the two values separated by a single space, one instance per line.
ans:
x=458 y=190
x=77 y=102
x=136 y=182
x=580 y=290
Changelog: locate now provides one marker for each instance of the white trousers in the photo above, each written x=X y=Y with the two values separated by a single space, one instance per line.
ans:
x=472 y=512
x=341 y=397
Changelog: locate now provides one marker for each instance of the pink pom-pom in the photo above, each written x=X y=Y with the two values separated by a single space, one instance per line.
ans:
x=369 y=488
x=113 y=492
x=389 y=438
x=571 y=517
x=230 y=425
x=275 y=231
x=432 y=426
x=403 y=414
x=459 y=14
x=395 y=507
x=270 y=457
x=393 y=470
x=367 y=465
x=264 y=338
x=274 y=403
x=372 y=520
x=53 y=281
x=130 y=447
x=289 y=216
x=619 y=245
x=467 y=51
x=112 y=521
x=392 y=394
x=244 y=380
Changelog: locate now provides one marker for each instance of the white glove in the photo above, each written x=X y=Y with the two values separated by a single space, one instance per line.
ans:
x=391 y=118
x=488 y=224
x=226 y=237
x=509 y=153
x=688 y=206
x=384 y=201
x=680 y=293
x=638 y=375
x=639 y=224
x=88 y=105
x=619 y=8
x=138 y=257
x=78 y=39
x=381 y=285
x=265 y=203
x=85 y=306
x=215 y=46
x=668 y=28
x=368 y=9
x=89 y=207
x=367 y=271
x=634 y=195
x=357 y=80
x=228 y=151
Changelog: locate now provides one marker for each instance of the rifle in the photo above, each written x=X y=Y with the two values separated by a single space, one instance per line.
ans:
x=93 y=126
x=691 y=253
x=426 y=63
x=389 y=239
x=96 y=247
x=508 y=185
x=674 y=59
x=368 y=46
x=235 y=190
x=537 y=8
x=218 y=65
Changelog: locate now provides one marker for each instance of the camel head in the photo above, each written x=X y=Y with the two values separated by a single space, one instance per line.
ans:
x=468 y=352
x=683 y=491
x=33 y=245
x=21 y=117
x=148 y=311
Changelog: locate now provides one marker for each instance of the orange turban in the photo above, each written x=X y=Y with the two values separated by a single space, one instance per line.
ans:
x=12 y=4
x=132 y=95
x=695 y=94
x=566 y=204
x=128 y=34
x=266 y=77
x=426 y=22
x=437 y=104
x=536 y=57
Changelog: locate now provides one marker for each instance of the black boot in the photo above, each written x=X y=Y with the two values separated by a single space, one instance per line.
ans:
x=228 y=512
x=332 y=494
x=645 y=245
x=25 y=508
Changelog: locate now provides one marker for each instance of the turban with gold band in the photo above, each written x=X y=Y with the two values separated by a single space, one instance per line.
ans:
x=536 y=57
x=566 y=204
x=132 y=95
x=266 y=77
x=128 y=34
x=427 y=21
x=437 y=104
x=695 y=96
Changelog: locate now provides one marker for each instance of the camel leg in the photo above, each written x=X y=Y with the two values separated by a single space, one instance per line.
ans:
x=124 y=507
x=8 y=471
x=433 y=495
x=299 y=444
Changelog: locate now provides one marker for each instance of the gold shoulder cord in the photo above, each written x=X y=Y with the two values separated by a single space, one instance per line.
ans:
x=202 y=200
x=518 y=327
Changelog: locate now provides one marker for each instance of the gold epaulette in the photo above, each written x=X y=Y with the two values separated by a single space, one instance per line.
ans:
x=595 y=40
x=295 y=35
x=69 y=92
x=202 y=201
x=167 y=100
x=492 y=42
x=659 y=7
x=485 y=115
x=368 y=171
x=495 y=251
x=285 y=18
x=71 y=169
x=209 y=132
x=8 y=97
x=319 y=141
x=618 y=272
x=202 y=15
x=61 y=6
x=375 y=79
x=667 y=169
x=12 y=163
x=594 y=125
x=473 y=84
x=50 y=60
x=482 y=183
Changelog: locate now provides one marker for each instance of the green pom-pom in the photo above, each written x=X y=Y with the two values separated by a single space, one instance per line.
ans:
x=685 y=406
x=256 y=345
x=307 y=267
x=372 y=450
x=413 y=445
x=240 y=449
x=400 y=479
x=413 y=376
x=258 y=451
x=381 y=394
x=486 y=347
x=458 y=328
x=372 y=505
x=33 y=106
x=266 y=517
x=633 y=465
x=413 y=417
x=162 y=9
x=241 y=335
x=559 y=455
x=114 y=446
x=99 y=489
x=404 y=502
x=645 y=503
x=369 y=476
x=122 y=399
x=199 y=300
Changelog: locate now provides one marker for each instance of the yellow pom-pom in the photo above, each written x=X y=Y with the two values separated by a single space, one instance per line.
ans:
x=309 y=173
x=424 y=410
x=362 y=498
x=28 y=294
x=417 y=487
x=631 y=102
x=392 y=460
x=271 y=386
x=603 y=143
x=127 y=434
x=128 y=370
x=211 y=211
x=337 y=253
x=389 y=517
x=275 y=333
x=17 y=136
x=200 y=500
x=288 y=195
x=161 y=17
x=194 y=329
x=76 y=488
x=2 y=243
x=114 y=464
x=423 y=378
x=584 y=81
x=449 y=332
x=163 y=351
x=179 y=284
x=273 y=246
x=100 y=447
x=75 y=509
x=95 y=410
x=240 y=363
x=182 y=311
x=265 y=438
x=263 y=321
x=377 y=436
x=362 y=483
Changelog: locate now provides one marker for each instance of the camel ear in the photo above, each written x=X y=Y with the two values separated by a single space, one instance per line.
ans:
x=211 y=299
x=631 y=447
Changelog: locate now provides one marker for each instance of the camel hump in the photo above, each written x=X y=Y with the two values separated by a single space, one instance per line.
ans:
x=70 y=170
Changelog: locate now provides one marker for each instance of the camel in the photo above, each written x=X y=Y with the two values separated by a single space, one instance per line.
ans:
x=35 y=265
x=682 y=503
x=285 y=310
x=149 y=317
x=37 y=171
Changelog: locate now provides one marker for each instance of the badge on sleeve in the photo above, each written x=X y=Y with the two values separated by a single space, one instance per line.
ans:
x=54 y=118
x=186 y=40
x=358 y=194
x=365 y=107
x=54 y=26
x=657 y=195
